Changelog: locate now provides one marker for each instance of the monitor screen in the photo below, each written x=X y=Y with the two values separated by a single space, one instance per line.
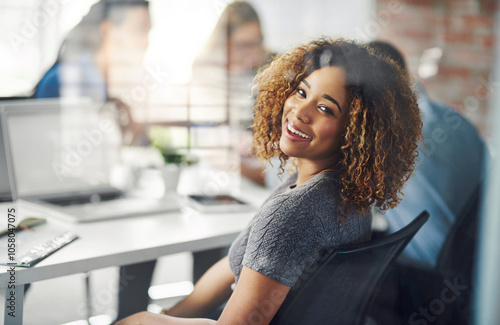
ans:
x=60 y=146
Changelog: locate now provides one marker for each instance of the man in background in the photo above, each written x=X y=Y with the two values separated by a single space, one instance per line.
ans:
x=447 y=174
x=446 y=182
x=112 y=36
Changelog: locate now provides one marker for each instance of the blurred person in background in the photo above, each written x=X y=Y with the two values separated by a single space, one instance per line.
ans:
x=111 y=37
x=235 y=46
x=448 y=172
x=228 y=64
x=446 y=182
x=236 y=42
x=223 y=74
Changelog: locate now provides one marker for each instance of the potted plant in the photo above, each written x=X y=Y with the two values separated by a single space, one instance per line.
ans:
x=169 y=141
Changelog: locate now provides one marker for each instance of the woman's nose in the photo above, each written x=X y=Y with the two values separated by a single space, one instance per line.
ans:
x=302 y=112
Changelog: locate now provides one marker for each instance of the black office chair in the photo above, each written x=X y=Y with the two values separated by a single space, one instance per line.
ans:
x=422 y=288
x=339 y=290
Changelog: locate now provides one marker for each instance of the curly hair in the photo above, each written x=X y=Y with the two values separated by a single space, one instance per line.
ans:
x=379 y=145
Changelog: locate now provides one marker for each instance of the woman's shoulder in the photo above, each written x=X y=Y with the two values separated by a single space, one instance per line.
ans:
x=320 y=193
x=323 y=185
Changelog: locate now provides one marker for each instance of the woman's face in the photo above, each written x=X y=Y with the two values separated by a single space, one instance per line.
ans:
x=245 y=48
x=315 y=117
x=128 y=39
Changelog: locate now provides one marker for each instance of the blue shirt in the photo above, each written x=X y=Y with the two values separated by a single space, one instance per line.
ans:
x=73 y=78
x=447 y=172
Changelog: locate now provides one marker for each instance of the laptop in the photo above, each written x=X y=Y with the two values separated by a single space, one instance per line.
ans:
x=62 y=153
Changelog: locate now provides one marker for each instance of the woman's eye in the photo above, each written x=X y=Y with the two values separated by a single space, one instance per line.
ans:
x=301 y=92
x=326 y=110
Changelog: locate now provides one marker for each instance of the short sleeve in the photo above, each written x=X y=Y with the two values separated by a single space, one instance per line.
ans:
x=285 y=238
x=49 y=86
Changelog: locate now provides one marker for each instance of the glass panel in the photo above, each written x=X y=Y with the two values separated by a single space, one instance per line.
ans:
x=488 y=283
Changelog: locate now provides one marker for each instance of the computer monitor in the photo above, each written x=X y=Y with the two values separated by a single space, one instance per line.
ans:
x=58 y=146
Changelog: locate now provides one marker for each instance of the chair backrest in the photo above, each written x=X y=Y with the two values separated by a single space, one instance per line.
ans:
x=457 y=254
x=457 y=259
x=339 y=290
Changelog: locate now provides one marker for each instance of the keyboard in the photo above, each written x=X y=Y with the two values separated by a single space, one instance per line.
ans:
x=84 y=199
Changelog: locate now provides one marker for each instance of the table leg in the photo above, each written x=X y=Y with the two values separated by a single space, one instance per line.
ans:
x=14 y=299
x=88 y=295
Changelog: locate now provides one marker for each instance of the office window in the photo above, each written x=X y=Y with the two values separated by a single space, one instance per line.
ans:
x=448 y=45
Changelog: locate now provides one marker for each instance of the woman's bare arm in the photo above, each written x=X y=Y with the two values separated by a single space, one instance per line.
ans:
x=255 y=300
x=147 y=318
x=213 y=288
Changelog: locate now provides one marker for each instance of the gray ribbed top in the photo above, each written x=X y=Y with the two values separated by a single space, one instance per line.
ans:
x=292 y=228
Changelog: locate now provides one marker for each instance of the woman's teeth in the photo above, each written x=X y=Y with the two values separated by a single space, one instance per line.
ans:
x=305 y=136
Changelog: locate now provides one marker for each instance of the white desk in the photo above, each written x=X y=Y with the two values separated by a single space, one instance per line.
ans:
x=126 y=241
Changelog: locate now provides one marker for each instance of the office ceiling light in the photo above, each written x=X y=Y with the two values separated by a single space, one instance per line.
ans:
x=170 y=290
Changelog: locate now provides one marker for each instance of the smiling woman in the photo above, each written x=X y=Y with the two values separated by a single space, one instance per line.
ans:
x=313 y=120
x=351 y=121
x=336 y=82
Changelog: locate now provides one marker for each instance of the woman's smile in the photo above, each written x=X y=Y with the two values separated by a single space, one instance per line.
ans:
x=295 y=134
